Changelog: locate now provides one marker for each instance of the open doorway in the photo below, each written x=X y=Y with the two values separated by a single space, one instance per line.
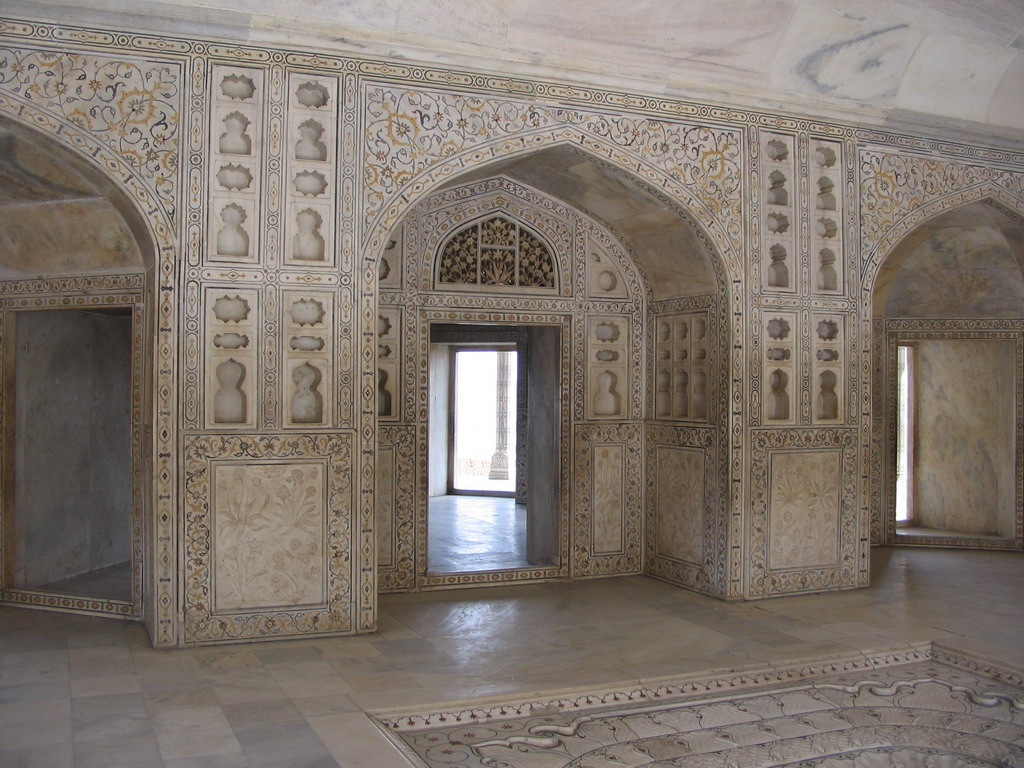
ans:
x=494 y=436
x=72 y=424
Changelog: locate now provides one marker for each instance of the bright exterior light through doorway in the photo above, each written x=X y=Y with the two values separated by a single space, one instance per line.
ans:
x=485 y=418
x=904 y=435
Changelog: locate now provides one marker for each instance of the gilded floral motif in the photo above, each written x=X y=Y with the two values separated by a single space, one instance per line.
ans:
x=894 y=186
x=409 y=130
x=132 y=106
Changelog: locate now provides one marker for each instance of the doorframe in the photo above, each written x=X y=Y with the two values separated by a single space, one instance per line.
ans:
x=560 y=570
x=10 y=307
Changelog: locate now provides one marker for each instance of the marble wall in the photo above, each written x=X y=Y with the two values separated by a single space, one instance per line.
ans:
x=290 y=203
x=964 y=442
x=73 y=483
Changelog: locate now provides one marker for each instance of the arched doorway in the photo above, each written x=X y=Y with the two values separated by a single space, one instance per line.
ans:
x=631 y=259
x=948 y=307
x=72 y=288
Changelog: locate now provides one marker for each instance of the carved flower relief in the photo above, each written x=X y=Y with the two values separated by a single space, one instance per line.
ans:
x=268 y=535
x=608 y=500
x=536 y=267
x=497 y=267
x=496 y=252
x=804 y=510
x=680 y=522
x=458 y=259
x=498 y=231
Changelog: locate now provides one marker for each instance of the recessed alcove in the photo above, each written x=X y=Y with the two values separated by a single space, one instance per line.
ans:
x=824 y=156
x=777 y=223
x=310 y=146
x=827 y=228
x=73 y=493
x=777 y=193
x=777 y=150
x=235 y=139
x=462 y=257
x=73 y=385
x=826 y=198
x=778 y=268
x=949 y=303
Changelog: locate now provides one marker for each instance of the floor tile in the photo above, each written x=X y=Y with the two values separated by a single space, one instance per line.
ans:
x=355 y=742
x=47 y=756
x=189 y=707
x=214 y=741
x=292 y=743
x=139 y=750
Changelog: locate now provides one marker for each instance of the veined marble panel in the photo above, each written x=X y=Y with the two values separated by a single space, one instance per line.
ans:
x=666 y=552
x=957 y=490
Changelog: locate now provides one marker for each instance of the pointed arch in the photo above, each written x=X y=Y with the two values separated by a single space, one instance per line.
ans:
x=683 y=201
x=154 y=228
x=988 y=193
x=714 y=233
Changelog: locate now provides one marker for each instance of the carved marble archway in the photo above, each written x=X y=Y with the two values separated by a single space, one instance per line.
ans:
x=149 y=205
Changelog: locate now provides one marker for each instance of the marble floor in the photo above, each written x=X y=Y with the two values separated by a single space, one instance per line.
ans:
x=78 y=691
x=111 y=583
x=475 y=533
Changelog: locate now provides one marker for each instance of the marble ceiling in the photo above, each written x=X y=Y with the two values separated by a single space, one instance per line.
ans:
x=58 y=216
x=925 y=63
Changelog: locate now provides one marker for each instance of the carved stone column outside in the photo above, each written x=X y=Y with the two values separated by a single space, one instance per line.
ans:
x=499 y=461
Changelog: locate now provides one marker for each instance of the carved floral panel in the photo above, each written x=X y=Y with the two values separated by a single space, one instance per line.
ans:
x=267 y=535
x=805 y=529
x=804 y=509
x=680 y=503
x=130 y=105
x=268 y=546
